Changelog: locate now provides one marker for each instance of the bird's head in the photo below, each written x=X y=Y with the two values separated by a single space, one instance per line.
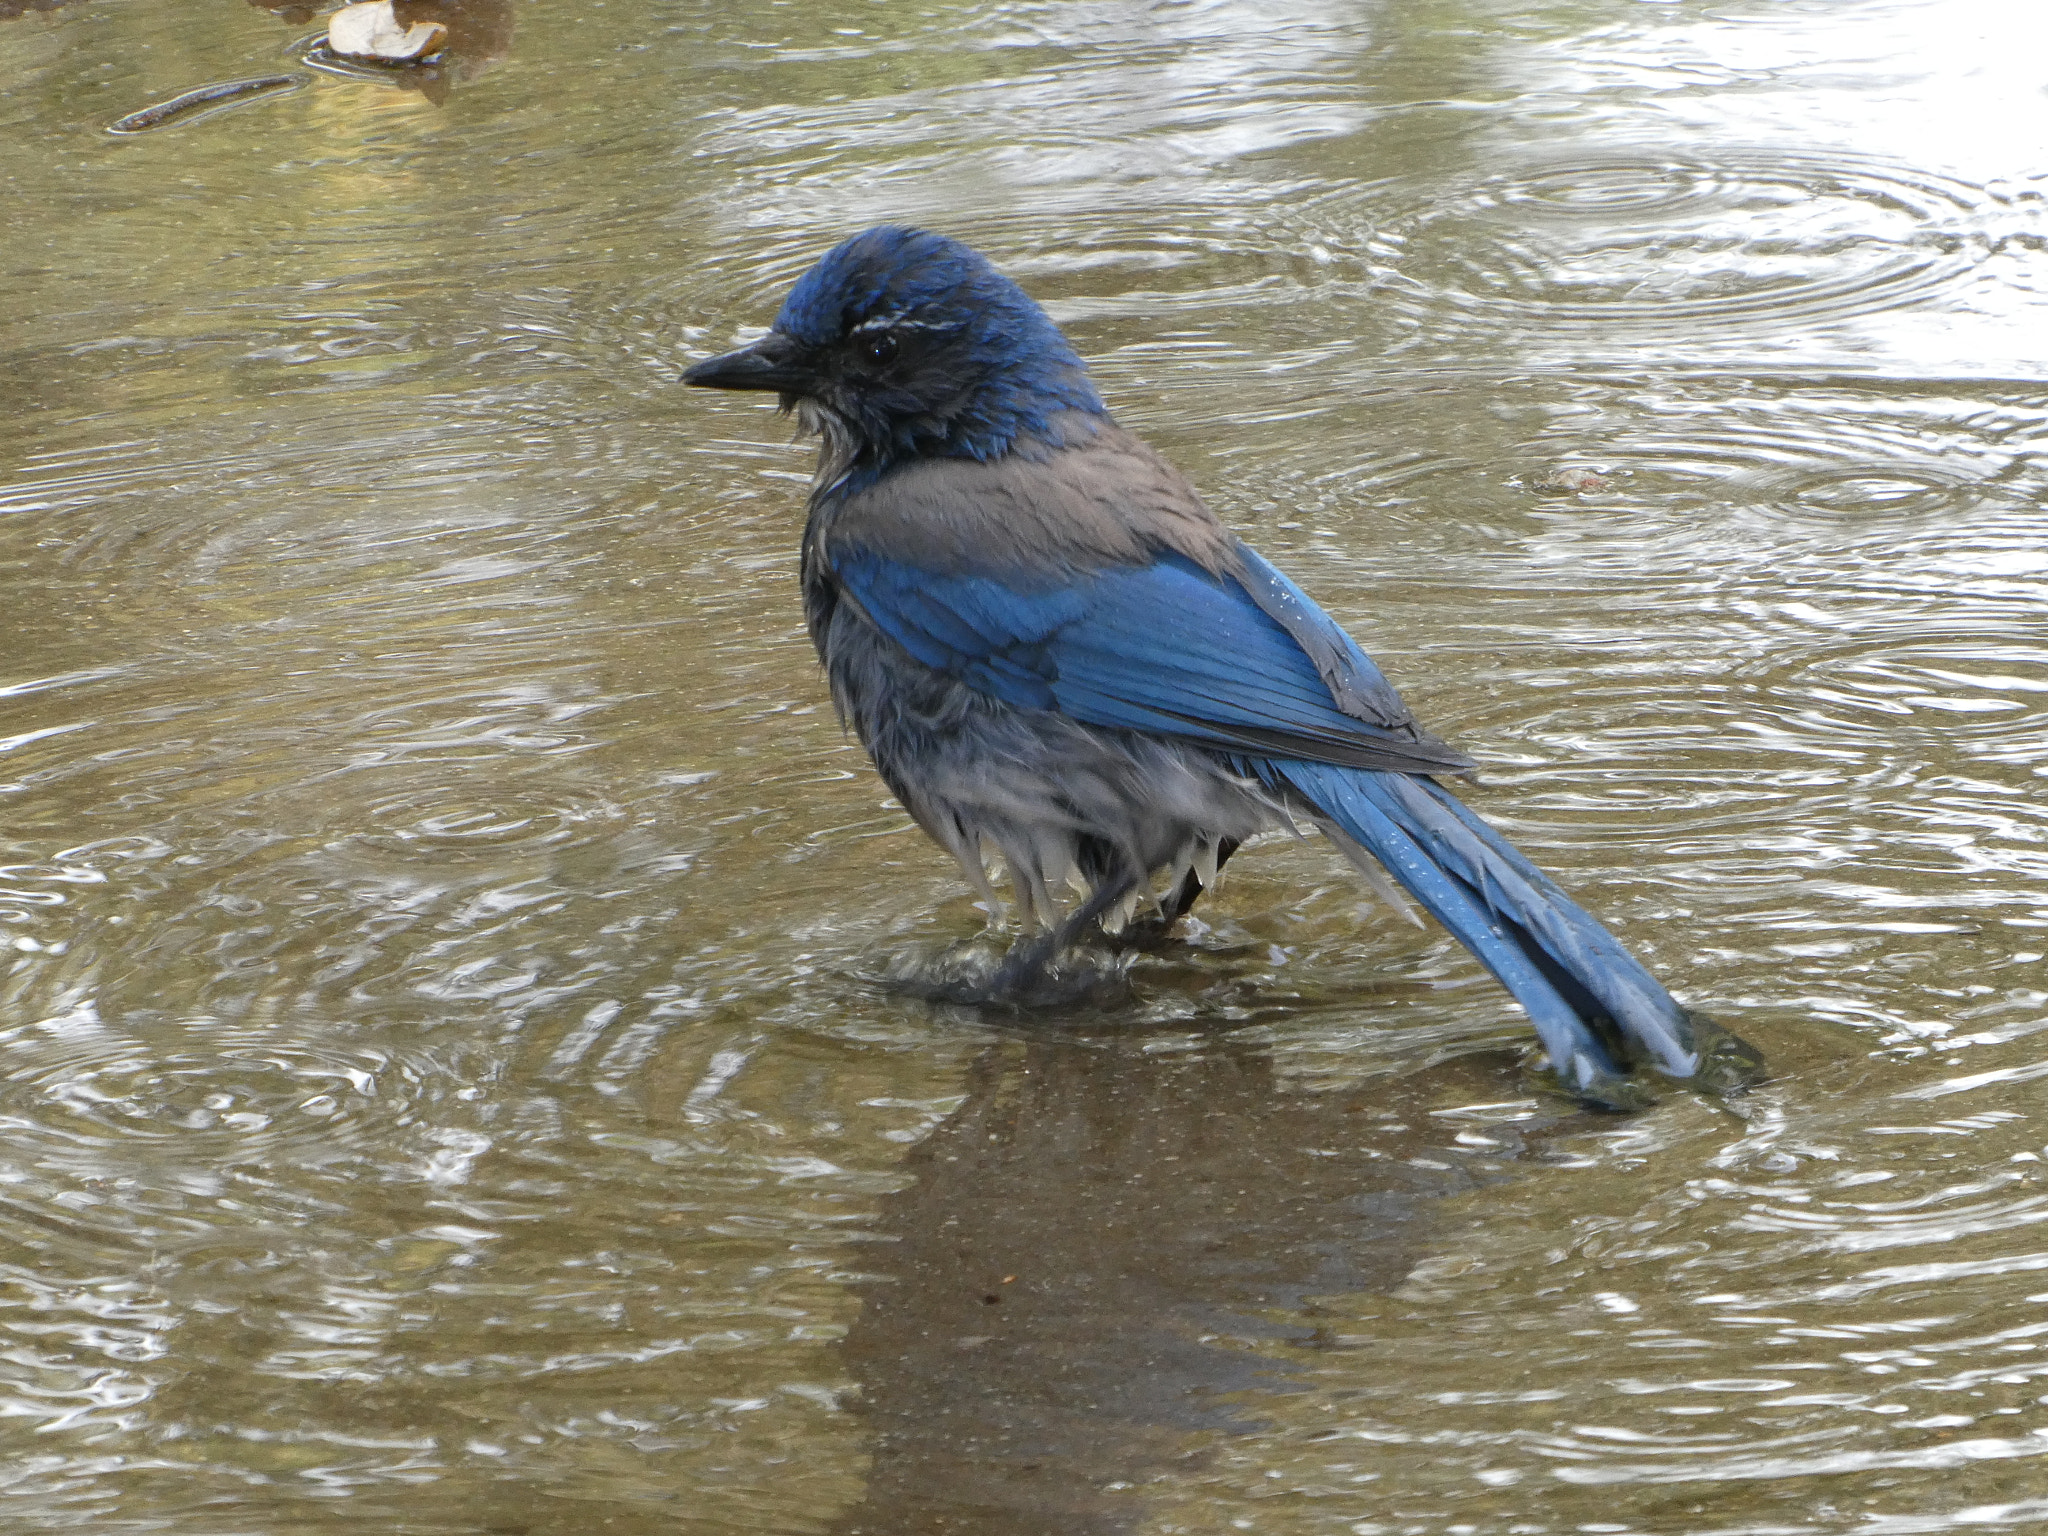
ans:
x=900 y=344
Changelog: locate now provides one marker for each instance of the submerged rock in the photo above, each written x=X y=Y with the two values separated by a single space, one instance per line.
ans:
x=1571 y=480
x=460 y=40
x=372 y=32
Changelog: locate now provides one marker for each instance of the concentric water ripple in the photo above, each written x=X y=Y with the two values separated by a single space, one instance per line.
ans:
x=1822 y=456
x=195 y=1099
x=437 y=824
x=1770 y=238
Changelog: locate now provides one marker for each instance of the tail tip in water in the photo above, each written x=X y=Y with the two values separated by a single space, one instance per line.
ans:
x=1728 y=1063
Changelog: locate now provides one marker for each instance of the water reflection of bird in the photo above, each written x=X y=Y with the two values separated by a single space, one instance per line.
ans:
x=1080 y=1289
x=1053 y=650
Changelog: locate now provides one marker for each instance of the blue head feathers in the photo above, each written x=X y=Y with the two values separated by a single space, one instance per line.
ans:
x=903 y=344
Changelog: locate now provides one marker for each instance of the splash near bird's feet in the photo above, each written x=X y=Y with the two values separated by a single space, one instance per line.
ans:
x=1030 y=975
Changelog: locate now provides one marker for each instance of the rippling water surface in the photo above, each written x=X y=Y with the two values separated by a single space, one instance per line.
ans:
x=442 y=1085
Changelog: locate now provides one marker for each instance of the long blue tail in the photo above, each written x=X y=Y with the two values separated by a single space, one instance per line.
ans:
x=1594 y=1007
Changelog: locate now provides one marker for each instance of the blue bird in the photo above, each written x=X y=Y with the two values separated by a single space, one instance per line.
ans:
x=1055 y=653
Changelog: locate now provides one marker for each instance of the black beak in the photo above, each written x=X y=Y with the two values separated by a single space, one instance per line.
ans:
x=774 y=362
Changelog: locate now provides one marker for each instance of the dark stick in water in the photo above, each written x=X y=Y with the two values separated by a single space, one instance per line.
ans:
x=207 y=98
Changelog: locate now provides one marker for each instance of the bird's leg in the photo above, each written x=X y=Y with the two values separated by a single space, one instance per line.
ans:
x=1026 y=964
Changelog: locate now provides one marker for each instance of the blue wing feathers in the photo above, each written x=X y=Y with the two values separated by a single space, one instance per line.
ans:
x=1165 y=647
x=1359 y=687
x=969 y=627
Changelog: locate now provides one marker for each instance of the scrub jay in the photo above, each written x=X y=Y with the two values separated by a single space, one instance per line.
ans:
x=1056 y=653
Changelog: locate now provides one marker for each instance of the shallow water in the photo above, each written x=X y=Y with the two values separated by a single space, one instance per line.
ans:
x=445 y=1088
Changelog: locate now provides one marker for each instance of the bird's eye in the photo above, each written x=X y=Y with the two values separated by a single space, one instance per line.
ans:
x=879 y=349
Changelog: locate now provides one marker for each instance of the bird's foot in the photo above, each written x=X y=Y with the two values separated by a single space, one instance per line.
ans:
x=1143 y=933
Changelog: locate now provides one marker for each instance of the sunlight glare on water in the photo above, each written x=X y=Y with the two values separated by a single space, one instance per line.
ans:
x=444 y=1084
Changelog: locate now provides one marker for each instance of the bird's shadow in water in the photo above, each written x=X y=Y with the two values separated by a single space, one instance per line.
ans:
x=1068 y=1301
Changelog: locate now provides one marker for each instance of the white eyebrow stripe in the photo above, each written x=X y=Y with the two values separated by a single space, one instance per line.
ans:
x=895 y=322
